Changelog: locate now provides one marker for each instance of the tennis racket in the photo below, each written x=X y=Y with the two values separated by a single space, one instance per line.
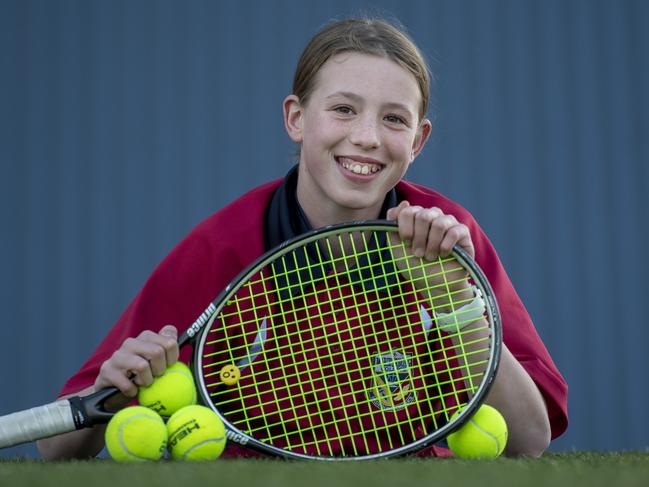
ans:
x=338 y=344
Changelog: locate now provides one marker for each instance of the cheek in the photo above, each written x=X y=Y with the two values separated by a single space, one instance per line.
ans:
x=324 y=131
x=400 y=146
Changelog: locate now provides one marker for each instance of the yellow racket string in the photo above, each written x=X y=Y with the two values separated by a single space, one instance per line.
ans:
x=338 y=349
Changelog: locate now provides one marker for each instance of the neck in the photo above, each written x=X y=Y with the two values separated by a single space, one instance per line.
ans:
x=321 y=215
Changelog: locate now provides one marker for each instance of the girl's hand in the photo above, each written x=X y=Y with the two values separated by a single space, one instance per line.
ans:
x=429 y=232
x=139 y=360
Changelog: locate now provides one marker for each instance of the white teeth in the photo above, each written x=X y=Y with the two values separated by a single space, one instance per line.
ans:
x=358 y=168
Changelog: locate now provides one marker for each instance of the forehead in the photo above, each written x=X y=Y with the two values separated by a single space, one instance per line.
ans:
x=370 y=77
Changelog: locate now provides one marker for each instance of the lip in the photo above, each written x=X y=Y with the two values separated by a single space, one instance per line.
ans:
x=361 y=159
x=359 y=177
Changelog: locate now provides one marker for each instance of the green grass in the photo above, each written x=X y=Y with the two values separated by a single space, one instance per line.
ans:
x=556 y=470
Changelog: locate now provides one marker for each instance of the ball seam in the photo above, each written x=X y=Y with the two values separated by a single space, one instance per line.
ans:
x=488 y=433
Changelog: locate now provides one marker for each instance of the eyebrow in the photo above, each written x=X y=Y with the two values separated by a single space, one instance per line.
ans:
x=358 y=98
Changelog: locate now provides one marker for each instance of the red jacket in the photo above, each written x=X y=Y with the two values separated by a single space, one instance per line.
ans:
x=216 y=250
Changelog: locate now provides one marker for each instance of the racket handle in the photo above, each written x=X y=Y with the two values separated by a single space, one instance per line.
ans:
x=36 y=423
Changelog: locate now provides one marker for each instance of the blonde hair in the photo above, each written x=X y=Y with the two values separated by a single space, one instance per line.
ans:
x=371 y=36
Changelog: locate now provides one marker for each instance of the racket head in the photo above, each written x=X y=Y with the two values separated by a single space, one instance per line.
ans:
x=338 y=358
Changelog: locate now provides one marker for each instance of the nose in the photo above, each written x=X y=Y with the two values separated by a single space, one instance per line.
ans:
x=365 y=133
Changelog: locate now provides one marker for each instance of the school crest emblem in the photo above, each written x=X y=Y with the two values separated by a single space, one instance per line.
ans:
x=391 y=386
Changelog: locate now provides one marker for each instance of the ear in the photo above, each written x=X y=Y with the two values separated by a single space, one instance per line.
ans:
x=423 y=132
x=293 y=118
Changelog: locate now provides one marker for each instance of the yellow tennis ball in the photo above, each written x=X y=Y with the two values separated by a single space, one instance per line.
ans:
x=483 y=436
x=136 y=434
x=170 y=392
x=195 y=433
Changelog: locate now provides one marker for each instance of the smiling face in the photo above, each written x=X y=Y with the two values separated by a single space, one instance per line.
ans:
x=359 y=131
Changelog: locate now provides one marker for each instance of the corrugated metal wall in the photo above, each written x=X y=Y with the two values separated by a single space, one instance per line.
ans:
x=123 y=124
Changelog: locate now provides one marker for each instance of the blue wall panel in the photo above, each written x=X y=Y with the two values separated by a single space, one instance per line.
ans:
x=123 y=124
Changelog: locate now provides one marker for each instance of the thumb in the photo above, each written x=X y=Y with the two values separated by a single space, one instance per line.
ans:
x=169 y=331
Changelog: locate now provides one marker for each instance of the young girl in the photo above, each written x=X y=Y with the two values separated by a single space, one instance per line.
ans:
x=357 y=113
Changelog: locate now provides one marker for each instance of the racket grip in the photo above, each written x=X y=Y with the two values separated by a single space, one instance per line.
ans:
x=36 y=423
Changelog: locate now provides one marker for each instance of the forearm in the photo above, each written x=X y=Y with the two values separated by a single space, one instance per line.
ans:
x=518 y=399
x=85 y=443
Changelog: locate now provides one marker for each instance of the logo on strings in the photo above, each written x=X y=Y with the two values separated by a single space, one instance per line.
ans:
x=391 y=382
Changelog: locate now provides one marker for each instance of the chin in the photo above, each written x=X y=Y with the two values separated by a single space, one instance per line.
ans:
x=358 y=205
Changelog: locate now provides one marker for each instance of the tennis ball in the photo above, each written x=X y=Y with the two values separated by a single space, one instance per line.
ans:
x=483 y=436
x=170 y=392
x=195 y=433
x=136 y=434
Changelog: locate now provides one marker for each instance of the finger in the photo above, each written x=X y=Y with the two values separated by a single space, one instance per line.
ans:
x=406 y=222
x=124 y=371
x=152 y=348
x=169 y=331
x=135 y=366
x=438 y=233
x=393 y=213
x=457 y=234
x=163 y=350
x=425 y=237
x=111 y=377
x=170 y=344
x=118 y=379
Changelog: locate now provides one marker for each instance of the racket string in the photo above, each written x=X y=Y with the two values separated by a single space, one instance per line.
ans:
x=340 y=358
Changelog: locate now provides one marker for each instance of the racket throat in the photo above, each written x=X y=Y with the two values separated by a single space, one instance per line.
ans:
x=91 y=410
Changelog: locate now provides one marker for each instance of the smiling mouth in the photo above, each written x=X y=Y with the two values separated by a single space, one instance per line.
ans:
x=362 y=168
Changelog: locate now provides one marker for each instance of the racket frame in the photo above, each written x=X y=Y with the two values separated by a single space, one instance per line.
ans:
x=235 y=435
